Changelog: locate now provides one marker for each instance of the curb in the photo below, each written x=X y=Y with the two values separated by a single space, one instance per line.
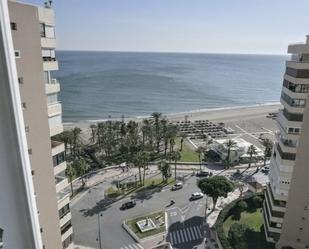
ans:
x=129 y=231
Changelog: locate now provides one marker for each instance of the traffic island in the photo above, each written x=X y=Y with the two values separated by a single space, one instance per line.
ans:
x=146 y=226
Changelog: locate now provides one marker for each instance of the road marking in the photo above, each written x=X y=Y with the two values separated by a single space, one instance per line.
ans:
x=193 y=235
x=171 y=239
x=139 y=246
x=185 y=235
x=182 y=237
x=189 y=235
x=198 y=231
x=173 y=214
x=174 y=238
x=178 y=236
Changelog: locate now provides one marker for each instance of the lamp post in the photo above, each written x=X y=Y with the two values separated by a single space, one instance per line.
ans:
x=99 y=228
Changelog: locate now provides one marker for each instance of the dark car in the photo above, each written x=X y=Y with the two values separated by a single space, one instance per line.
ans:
x=265 y=169
x=127 y=205
x=202 y=174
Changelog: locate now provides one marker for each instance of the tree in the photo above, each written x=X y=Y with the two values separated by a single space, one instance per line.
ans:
x=251 y=152
x=230 y=144
x=76 y=140
x=140 y=160
x=236 y=235
x=93 y=129
x=257 y=201
x=239 y=208
x=183 y=137
x=165 y=169
x=157 y=117
x=70 y=172
x=175 y=156
x=215 y=187
x=80 y=167
x=200 y=150
x=268 y=145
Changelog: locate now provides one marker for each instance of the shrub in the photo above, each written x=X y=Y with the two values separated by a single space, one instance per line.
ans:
x=257 y=201
x=236 y=236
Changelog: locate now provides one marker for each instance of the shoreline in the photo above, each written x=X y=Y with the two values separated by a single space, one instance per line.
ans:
x=214 y=114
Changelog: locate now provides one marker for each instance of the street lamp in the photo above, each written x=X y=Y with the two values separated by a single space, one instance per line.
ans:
x=99 y=228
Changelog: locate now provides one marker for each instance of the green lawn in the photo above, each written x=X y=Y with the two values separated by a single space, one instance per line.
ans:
x=187 y=154
x=254 y=220
x=160 y=229
x=149 y=184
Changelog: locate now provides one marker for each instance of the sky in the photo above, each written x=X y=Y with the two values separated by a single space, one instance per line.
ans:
x=204 y=26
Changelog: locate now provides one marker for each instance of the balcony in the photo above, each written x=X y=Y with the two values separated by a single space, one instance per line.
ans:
x=50 y=65
x=63 y=198
x=52 y=87
x=61 y=182
x=65 y=219
x=48 y=42
x=297 y=64
x=302 y=48
x=46 y=15
x=54 y=109
x=295 y=122
x=288 y=145
x=55 y=125
x=67 y=233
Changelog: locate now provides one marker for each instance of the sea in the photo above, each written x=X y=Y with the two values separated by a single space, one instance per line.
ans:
x=101 y=85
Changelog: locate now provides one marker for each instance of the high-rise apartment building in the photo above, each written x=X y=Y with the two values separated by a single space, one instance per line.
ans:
x=34 y=42
x=285 y=207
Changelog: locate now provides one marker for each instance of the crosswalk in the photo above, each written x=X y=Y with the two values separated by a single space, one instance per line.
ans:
x=185 y=235
x=132 y=246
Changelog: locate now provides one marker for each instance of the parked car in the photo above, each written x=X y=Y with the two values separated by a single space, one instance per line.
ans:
x=202 y=174
x=265 y=169
x=127 y=205
x=177 y=186
x=196 y=196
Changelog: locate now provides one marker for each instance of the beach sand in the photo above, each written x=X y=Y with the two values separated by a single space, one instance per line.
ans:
x=215 y=115
x=250 y=119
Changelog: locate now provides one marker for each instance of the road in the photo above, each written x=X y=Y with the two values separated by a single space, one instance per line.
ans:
x=185 y=218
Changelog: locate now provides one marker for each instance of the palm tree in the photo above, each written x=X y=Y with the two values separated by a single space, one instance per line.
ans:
x=200 y=150
x=230 y=144
x=76 y=140
x=268 y=145
x=157 y=117
x=165 y=169
x=251 y=152
x=93 y=129
x=139 y=162
x=175 y=156
x=183 y=137
x=70 y=172
x=80 y=167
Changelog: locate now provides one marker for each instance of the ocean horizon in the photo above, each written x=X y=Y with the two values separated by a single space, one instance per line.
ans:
x=99 y=85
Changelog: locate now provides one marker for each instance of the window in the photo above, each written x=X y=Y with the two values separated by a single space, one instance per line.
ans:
x=20 y=80
x=64 y=211
x=66 y=227
x=27 y=129
x=47 y=31
x=17 y=54
x=24 y=105
x=30 y=151
x=13 y=26
x=48 y=54
x=58 y=159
